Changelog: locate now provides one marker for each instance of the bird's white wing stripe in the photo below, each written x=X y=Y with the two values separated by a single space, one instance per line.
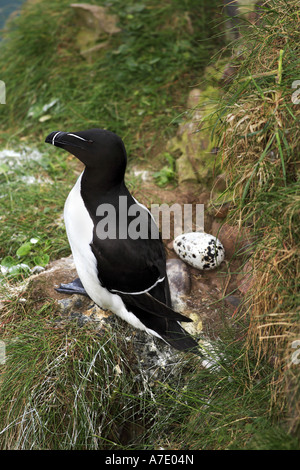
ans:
x=142 y=291
x=144 y=207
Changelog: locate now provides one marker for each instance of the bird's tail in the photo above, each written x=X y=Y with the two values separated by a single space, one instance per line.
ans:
x=180 y=339
x=162 y=320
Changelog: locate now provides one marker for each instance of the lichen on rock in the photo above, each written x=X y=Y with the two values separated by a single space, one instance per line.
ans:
x=95 y=24
x=193 y=144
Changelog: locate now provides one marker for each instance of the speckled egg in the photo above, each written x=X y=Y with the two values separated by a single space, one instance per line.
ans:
x=200 y=250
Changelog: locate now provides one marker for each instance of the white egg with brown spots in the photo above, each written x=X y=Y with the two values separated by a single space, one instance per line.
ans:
x=200 y=250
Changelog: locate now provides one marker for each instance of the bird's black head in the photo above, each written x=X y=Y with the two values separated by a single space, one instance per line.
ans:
x=102 y=151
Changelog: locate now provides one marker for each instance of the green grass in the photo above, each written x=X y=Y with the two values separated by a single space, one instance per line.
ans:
x=70 y=386
x=128 y=88
x=134 y=87
x=33 y=210
x=74 y=392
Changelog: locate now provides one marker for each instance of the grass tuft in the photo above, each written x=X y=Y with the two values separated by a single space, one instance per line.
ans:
x=259 y=129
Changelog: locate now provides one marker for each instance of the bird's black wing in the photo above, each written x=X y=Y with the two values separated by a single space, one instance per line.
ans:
x=135 y=269
x=130 y=266
x=151 y=305
x=133 y=264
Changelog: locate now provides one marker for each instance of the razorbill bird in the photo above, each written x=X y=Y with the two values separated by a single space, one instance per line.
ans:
x=120 y=271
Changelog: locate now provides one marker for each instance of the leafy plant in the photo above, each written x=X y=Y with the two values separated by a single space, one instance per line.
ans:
x=28 y=255
x=167 y=173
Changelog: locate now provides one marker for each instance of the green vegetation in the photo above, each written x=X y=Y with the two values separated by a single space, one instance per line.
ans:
x=133 y=87
x=129 y=87
x=68 y=385
x=33 y=193
x=167 y=173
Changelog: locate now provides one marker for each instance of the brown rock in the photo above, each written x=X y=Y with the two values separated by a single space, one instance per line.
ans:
x=58 y=272
x=95 y=17
x=245 y=280
x=233 y=301
x=179 y=282
x=179 y=276
x=234 y=239
x=203 y=197
x=95 y=23
x=221 y=211
x=229 y=73
x=220 y=183
x=193 y=98
x=185 y=170
x=92 y=52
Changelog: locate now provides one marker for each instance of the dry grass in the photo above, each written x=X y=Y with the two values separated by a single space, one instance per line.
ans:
x=260 y=140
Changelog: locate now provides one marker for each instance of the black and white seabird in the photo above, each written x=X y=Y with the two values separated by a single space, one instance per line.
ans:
x=122 y=273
